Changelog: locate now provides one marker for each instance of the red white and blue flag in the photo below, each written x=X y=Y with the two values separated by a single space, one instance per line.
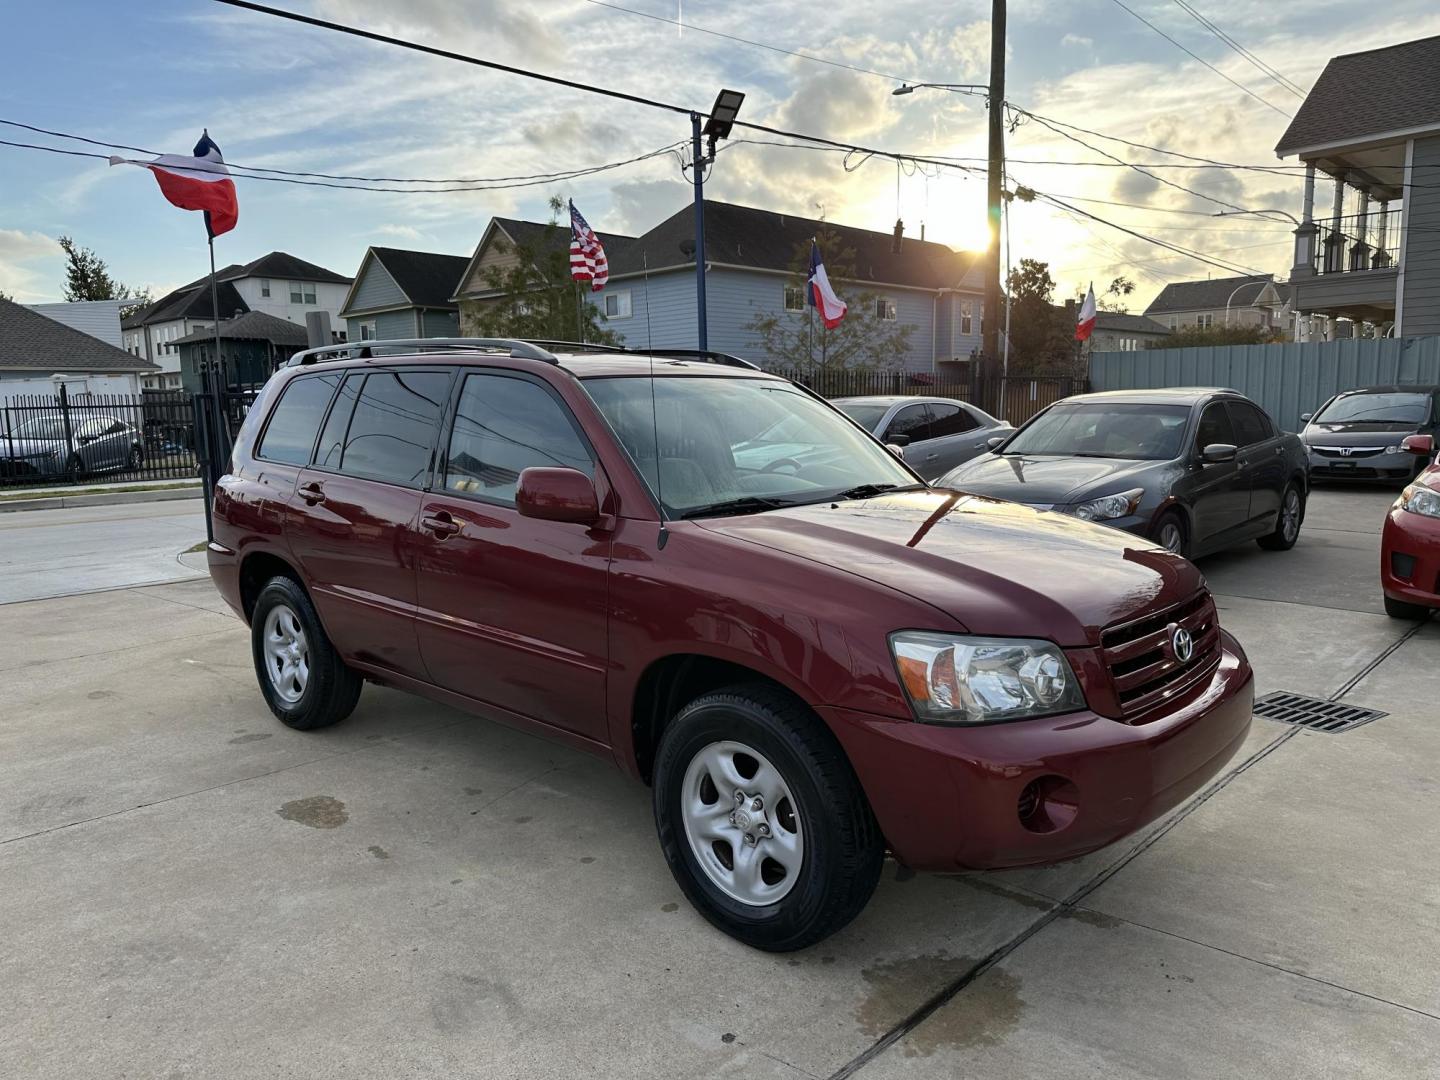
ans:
x=198 y=182
x=587 y=254
x=820 y=295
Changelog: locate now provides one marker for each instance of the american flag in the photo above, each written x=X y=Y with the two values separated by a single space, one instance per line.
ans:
x=587 y=254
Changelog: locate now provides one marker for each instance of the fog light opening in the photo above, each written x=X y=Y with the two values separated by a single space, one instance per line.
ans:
x=1047 y=804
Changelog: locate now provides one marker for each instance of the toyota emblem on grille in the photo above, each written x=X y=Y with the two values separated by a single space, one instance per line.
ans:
x=1183 y=644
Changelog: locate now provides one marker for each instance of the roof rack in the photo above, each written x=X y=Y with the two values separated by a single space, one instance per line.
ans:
x=364 y=350
x=707 y=355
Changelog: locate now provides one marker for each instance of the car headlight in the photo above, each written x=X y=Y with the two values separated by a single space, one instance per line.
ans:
x=956 y=679
x=1419 y=499
x=1107 y=507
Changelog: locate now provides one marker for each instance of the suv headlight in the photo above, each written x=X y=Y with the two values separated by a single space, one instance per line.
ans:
x=956 y=679
x=1107 y=507
x=1419 y=499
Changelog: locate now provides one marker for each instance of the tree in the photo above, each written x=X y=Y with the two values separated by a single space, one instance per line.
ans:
x=88 y=278
x=1041 y=341
x=538 y=298
x=864 y=341
x=1113 y=298
x=6 y=296
x=1188 y=336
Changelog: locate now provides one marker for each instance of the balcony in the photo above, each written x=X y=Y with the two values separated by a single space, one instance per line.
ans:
x=1347 y=265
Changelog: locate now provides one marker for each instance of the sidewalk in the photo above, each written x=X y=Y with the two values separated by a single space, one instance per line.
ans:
x=58 y=496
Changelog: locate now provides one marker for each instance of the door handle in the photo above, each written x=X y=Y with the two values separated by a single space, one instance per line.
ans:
x=312 y=494
x=441 y=524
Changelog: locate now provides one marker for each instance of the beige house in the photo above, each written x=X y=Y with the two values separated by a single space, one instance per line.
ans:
x=1216 y=302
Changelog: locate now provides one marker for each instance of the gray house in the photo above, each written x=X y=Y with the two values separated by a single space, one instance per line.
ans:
x=1252 y=300
x=403 y=294
x=750 y=255
x=1371 y=250
x=1119 y=331
x=35 y=349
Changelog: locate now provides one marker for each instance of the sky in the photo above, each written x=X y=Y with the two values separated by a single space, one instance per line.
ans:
x=279 y=95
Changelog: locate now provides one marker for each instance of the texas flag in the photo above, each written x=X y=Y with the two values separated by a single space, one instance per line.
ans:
x=198 y=182
x=820 y=295
x=1086 y=322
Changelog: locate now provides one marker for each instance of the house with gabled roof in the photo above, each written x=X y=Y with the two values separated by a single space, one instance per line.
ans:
x=35 y=348
x=404 y=294
x=1249 y=300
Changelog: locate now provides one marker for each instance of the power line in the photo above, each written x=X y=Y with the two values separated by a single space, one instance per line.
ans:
x=1187 y=52
x=1275 y=76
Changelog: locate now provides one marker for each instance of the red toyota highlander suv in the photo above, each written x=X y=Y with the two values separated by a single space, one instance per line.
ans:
x=714 y=578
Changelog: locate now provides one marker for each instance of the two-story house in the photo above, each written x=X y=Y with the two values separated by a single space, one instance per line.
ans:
x=404 y=294
x=1252 y=300
x=1370 y=252
x=750 y=257
x=276 y=284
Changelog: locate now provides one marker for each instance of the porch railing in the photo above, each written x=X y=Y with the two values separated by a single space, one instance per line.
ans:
x=1358 y=242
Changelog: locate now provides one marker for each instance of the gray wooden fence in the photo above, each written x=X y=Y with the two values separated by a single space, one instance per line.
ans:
x=1286 y=379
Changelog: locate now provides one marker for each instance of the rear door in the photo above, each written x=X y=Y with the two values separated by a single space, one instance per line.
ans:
x=351 y=521
x=1262 y=463
x=944 y=439
x=513 y=610
x=1219 y=494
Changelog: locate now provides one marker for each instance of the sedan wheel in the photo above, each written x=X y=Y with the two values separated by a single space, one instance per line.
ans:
x=1171 y=538
x=1287 y=521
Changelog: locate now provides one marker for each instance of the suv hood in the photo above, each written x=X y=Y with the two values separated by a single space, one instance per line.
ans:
x=998 y=568
x=1048 y=480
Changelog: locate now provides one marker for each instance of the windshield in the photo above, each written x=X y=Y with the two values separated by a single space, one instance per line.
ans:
x=722 y=439
x=867 y=416
x=1105 y=429
x=1399 y=409
x=41 y=427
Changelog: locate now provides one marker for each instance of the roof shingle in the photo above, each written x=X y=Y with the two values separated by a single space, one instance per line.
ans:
x=31 y=342
x=1210 y=294
x=427 y=278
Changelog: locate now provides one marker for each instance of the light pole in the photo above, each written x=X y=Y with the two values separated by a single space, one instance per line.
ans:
x=1257 y=213
x=717 y=127
x=959 y=88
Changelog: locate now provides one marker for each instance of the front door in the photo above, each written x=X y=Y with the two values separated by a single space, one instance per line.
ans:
x=513 y=611
x=1262 y=461
x=1219 y=495
x=941 y=442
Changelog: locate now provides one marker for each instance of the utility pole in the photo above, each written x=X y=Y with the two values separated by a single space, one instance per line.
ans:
x=991 y=342
x=697 y=174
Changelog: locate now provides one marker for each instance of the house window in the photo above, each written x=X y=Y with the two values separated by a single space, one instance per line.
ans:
x=302 y=292
x=264 y=286
x=1206 y=321
x=367 y=331
x=884 y=309
x=296 y=296
x=794 y=298
x=617 y=305
x=967 y=316
x=309 y=292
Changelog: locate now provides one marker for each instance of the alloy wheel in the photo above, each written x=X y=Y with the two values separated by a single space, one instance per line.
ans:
x=1290 y=516
x=742 y=823
x=1171 y=538
x=287 y=654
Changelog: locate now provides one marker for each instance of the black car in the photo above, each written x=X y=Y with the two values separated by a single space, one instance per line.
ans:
x=1357 y=435
x=1195 y=470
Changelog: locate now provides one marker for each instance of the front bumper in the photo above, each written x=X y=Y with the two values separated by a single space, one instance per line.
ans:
x=953 y=797
x=1410 y=558
x=1387 y=468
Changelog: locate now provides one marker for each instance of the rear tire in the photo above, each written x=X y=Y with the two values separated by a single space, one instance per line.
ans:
x=1399 y=609
x=1171 y=533
x=759 y=741
x=1287 y=522
x=75 y=469
x=302 y=677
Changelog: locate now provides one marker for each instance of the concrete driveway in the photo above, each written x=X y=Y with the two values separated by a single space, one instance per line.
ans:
x=189 y=889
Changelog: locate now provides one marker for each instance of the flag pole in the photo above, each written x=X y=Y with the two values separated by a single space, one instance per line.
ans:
x=579 y=315
x=222 y=434
x=214 y=296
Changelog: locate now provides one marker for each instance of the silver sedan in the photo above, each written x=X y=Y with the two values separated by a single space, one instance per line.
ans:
x=935 y=434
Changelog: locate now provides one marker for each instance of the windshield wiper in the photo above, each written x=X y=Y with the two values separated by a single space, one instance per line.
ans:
x=868 y=491
x=748 y=504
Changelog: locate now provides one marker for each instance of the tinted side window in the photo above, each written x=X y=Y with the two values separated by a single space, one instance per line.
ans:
x=392 y=431
x=947 y=420
x=908 y=421
x=1215 y=426
x=290 y=435
x=1250 y=426
x=504 y=425
x=332 y=439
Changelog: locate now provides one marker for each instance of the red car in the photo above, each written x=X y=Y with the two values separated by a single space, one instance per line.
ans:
x=717 y=580
x=1410 y=542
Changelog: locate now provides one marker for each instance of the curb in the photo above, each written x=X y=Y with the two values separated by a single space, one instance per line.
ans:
x=59 y=502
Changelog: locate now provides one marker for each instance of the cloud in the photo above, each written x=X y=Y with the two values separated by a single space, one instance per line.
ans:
x=1076 y=41
x=27 y=261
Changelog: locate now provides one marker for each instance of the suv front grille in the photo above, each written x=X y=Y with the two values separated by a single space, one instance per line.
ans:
x=1141 y=658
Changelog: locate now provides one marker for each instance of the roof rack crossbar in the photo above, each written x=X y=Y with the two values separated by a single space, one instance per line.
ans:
x=524 y=350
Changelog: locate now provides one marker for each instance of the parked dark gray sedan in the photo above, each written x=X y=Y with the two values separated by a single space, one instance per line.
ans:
x=935 y=434
x=1195 y=470
x=1357 y=435
x=94 y=442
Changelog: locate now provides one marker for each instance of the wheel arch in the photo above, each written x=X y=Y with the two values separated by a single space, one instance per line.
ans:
x=258 y=567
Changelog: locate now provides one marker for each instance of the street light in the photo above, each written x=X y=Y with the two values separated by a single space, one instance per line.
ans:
x=959 y=88
x=1257 y=213
x=717 y=127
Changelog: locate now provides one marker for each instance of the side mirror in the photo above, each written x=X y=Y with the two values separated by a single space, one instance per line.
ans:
x=1306 y=417
x=549 y=494
x=898 y=449
x=996 y=441
x=1218 y=453
x=897 y=440
x=1420 y=445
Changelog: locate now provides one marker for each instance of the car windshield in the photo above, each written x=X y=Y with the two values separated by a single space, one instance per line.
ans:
x=1137 y=432
x=740 y=445
x=41 y=427
x=866 y=414
x=1398 y=409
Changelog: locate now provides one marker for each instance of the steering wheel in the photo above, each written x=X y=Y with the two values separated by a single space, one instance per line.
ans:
x=780 y=463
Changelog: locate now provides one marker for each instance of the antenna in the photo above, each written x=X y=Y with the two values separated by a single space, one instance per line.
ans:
x=654 y=409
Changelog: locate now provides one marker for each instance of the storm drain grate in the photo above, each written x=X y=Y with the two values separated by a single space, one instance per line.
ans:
x=1328 y=716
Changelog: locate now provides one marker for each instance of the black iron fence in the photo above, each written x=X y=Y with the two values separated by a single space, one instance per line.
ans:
x=1357 y=242
x=69 y=438
x=1014 y=398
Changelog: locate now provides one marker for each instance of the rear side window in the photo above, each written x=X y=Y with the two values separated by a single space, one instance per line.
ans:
x=391 y=433
x=909 y=421
x=504 y=425
x=332 y=439
x=945 y=420
x=1215 y=427
x=1250 y=424
x=290 y=435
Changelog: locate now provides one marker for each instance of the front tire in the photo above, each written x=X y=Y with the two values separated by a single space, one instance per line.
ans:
x=302 y=677
x=1287 y=522
x=762 y=820
x=1171 y=533
x=1399 y=609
